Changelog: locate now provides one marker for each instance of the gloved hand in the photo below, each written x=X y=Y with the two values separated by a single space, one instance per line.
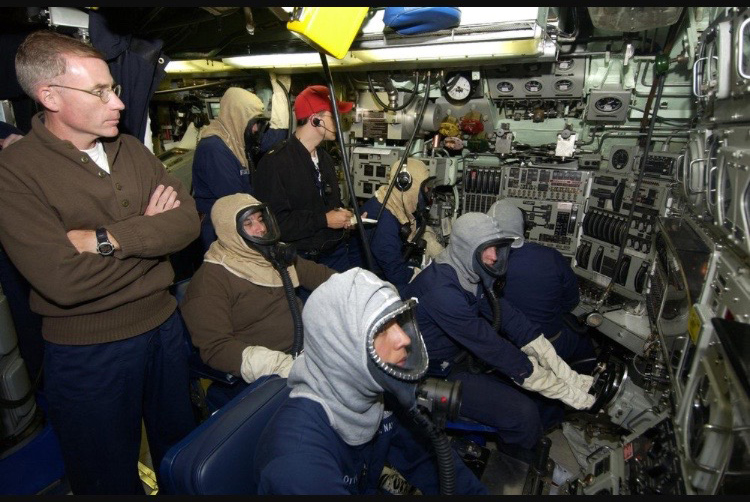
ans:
x=545 y=382
x=279 y=103
x=258 y=361
x=545 y=353
x=433 y=247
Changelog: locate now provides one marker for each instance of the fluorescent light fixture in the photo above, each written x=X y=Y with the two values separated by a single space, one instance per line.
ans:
x=447 y=52
x=197 y=66
x=439 y=52
x=291 y=60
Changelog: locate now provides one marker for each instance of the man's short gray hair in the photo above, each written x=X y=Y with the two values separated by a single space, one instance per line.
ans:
x=41 y=57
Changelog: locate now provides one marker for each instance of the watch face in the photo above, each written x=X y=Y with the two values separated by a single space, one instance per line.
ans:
x=105 y=248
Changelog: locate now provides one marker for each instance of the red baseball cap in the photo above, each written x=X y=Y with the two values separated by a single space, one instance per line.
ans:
x=314 y=99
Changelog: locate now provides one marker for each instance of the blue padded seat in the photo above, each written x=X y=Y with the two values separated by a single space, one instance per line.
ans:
x=416 y=20
x=216 y=458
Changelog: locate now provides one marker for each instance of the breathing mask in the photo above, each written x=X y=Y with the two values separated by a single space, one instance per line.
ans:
x=253 y=140
x=258 y=228
x=400 y=371
x=502 y=250
x=402 y=359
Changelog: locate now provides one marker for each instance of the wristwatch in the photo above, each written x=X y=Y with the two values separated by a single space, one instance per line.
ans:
x=103 y=245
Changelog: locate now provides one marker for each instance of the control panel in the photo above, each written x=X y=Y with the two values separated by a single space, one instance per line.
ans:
x=553 y=200
x=372 y=168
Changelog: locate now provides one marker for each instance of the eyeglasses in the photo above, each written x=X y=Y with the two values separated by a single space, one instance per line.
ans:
x=103 y=94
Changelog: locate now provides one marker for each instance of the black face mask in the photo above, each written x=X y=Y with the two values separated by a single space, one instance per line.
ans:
x=253 y=140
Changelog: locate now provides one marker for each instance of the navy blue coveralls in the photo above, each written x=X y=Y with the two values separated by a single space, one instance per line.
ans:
x=387 y=246
x=541 y=284
x=216 y=173
x=299 y=453
x=453 y=320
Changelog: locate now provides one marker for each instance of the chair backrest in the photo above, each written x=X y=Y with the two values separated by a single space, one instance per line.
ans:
x=217 y=457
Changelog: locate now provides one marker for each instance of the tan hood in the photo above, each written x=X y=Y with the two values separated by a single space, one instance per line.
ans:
x=236 y=108
x=403 y=204
x=233 y=253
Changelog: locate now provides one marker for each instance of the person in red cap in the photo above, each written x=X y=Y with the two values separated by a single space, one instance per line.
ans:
x=297 y=180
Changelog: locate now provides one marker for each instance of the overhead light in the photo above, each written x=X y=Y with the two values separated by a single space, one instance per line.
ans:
x=445 y=52
x=291 y=60
x=197 y=66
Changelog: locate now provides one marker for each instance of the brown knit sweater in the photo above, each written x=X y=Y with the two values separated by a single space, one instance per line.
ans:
x=225 y=313
x=48 y=187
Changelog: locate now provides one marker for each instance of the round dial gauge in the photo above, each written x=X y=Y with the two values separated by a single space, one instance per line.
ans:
x=533 y=86
x=565 y=64
x=563 y=85
x=608 y=104
x=620 y=159
x=505 y=86
x=458 y=87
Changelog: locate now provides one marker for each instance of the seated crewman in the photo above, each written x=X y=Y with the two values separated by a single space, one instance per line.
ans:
x=332 y=435
x=236 y=308
x=541 y=284
x=456 y=318
x=398 y=225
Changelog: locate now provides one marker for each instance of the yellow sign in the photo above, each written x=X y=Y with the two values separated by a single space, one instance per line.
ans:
x=694 y=324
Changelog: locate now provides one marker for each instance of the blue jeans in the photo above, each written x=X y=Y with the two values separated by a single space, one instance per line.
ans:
x=98 y=394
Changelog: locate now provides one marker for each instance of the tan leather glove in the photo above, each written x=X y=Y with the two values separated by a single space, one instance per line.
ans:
x=258 y=361
x=279 y=103
x=546 y=383
x=545 y=353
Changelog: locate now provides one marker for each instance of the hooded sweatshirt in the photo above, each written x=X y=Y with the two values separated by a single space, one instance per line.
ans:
x=453 y=313
x=402 y=205
x=236 y=299
x=385 y=239
x=470 y=231
x=509 y=219
x=332 y=435
x=236 y=108
x=333 y=369
x=233 y=253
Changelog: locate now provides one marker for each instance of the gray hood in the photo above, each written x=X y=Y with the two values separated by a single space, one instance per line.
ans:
x=510 y=220
x=469 y=232
x=333 y=369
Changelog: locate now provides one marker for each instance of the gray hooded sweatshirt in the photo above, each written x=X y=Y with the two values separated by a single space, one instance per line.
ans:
x=470 y=231
x=333 y=369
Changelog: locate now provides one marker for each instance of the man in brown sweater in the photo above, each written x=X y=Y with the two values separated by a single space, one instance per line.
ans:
x=235 y=307
x=88 y=217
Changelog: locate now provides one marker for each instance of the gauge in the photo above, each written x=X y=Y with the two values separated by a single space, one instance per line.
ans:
x=620 y=159
x=533 y=86
x=565 y=64
x=458 y=86
x=608 y=104
x=505 y=86
x=563 y=85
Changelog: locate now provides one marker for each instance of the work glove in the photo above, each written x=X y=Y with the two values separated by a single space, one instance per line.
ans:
x=258 y=361
x=546 y=383
x=433 y=247
x=546 y=355
x=279 y=103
